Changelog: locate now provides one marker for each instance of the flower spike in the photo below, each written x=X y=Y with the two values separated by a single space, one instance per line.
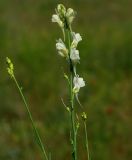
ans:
x=10 y=67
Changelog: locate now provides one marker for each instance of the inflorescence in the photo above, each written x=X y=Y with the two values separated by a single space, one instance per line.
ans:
x=64 y=17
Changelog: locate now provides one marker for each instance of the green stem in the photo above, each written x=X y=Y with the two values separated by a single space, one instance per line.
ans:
x=31 y=119
x=72 y=110
x=73 y=122
x=86 y=140
x=63 y=31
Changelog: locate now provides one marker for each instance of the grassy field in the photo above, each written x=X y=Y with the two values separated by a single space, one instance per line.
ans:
x=28 y=37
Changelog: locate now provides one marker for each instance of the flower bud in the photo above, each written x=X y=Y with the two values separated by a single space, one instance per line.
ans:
x=84 y=116
x=70 y=15
x=77 y=125
x=61 y=10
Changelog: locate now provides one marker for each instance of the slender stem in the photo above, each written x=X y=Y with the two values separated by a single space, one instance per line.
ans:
x=31 y=119
x=86 y=140
x=72 y=110
x=63 y=31
x=73 y=123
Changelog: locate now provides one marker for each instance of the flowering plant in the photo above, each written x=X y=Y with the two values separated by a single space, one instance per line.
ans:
x=66 y=48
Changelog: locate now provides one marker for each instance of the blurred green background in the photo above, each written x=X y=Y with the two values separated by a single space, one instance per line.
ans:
x=28 y=37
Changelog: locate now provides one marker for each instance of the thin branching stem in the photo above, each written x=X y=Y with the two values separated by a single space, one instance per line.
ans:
x=45 y=157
